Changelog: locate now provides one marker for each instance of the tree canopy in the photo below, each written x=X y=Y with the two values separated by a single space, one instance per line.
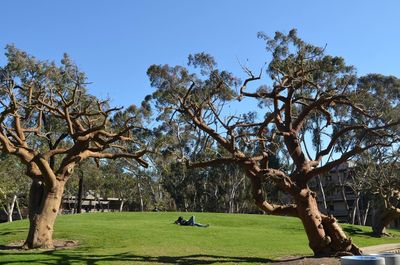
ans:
x=50 y=122
x=304 y=84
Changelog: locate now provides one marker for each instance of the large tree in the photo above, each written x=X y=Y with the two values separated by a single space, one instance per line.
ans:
x=304 y=83
x=50 y=122
x=378 y=174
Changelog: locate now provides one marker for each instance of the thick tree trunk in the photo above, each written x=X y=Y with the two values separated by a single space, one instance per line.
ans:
x=326 y=237
x=382 y=219
x=44 y=204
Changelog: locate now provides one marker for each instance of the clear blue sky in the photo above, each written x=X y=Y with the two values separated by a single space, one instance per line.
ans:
x=115 y=41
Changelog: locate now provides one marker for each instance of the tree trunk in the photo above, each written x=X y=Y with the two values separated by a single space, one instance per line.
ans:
x=326 y=237
x=344 y=197
x=121 y=206
x=80 y=194
x=322 y=190
x=44 y=204
x=140 y=196
x=18 y=209
x=379 y=226
x=356 y=210
x=10 y=209
x=382 y=219
x=365 y=217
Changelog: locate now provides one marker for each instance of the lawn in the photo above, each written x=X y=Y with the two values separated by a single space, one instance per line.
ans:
x=134 y=238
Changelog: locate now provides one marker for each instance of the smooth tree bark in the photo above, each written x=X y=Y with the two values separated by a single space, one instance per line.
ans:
x=50 y=123
x=305 y=83
x=344 y=198
x=80 y=193
x=322 y=190
x=366 y=212
x=18 y=209
x=8 y=208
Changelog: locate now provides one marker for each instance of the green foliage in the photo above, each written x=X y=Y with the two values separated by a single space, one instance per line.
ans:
x=13 y=180
x=174 y=82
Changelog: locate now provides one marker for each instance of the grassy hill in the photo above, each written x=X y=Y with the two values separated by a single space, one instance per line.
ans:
x=134 y=238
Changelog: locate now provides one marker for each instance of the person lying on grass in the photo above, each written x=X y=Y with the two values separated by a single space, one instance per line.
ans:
x=190 y=222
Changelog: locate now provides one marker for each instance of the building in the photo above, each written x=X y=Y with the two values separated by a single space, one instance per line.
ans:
x=344 y=198
x=339 y=198
x=91 y=203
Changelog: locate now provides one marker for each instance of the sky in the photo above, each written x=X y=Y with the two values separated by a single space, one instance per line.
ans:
x=115 y=42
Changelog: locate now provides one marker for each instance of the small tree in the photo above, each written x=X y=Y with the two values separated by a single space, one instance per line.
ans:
x=51 y=123
x=305 y=83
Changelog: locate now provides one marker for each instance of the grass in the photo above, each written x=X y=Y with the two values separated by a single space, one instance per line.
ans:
x=143 y=238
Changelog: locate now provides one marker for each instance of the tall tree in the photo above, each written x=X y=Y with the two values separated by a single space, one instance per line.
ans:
x=379 y=174
x=304 y=82
x=51 y=123
x=217 y=189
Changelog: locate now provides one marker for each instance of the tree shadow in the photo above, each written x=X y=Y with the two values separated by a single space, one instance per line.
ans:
x=12 y=232
x=63 y=258
x=4 y=247
x=352 y=230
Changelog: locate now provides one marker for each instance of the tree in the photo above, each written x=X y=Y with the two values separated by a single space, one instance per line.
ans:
x=304 y=82
x=379 y=172
x=50 y=122
x=12 y=190
x=87 y=176
x=218 y=189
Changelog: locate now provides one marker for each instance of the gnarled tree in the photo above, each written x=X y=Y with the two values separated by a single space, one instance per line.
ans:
x=51 y=123
x=379 y=174
x=304 y=83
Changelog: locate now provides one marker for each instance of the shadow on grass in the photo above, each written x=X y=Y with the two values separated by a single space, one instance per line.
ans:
x=2 y=247
x=352 y=230
x=61 y=258
x=12 y=232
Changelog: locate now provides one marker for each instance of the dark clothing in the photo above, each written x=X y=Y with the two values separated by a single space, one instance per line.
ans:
x=190 y=222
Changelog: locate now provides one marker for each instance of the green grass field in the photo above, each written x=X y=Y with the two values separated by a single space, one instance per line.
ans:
x=134 y=238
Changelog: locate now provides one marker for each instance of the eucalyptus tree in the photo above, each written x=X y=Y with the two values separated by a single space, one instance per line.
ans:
x=378 y=174
x=373 y=177
x=303 y=81
x=43 y=102
x=219 y=189
x=88 y=176
x=14 y=185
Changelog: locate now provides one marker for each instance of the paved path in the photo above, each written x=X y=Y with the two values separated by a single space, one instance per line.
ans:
x=336 y=261
x=381 y=248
